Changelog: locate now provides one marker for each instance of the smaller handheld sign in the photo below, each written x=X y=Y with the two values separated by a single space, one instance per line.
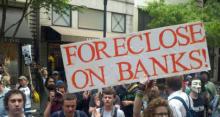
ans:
x=26 y=52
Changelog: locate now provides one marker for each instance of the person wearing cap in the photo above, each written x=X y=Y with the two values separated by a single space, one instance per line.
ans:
x=3 y=91
x=56 y=75
x=25 y=87
x=61 y=86
x=54 y=104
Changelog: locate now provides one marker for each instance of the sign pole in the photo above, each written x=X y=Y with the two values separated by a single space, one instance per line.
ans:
x=29 y=71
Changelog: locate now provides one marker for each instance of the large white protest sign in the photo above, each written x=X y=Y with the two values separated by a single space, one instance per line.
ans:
x=152 y=54
x=26 y=52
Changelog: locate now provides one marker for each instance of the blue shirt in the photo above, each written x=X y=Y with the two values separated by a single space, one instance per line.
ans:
x=61 y=114
x=2 y=96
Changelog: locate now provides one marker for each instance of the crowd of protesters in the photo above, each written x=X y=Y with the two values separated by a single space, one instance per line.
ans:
x=191 y=95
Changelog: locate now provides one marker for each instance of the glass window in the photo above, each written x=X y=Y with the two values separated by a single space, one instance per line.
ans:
x=91 y=19
x=118 y=22
x=62 y=19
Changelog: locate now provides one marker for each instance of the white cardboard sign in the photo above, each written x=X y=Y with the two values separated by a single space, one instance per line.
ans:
x=26 y=52
x=150 y=54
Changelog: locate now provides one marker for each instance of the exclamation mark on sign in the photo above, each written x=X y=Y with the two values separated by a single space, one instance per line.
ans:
x=205 y=57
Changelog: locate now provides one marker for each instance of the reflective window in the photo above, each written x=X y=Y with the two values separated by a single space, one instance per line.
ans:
x=91 y=19
x=62 y=19
x=118 y=22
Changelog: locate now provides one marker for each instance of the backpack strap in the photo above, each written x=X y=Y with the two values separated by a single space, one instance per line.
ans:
x=183 y=102
x=115 y=112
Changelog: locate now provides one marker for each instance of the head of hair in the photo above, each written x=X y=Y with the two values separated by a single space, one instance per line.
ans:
x=109 y=91
x=69 y=96
x=174 y=83
x=47 y=80
x=13 y=92
x=205 y=72
x=157 y=102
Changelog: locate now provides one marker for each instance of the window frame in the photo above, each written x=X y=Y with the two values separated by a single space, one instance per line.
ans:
x=112 y=22
x=52 y=19
x=92 y=28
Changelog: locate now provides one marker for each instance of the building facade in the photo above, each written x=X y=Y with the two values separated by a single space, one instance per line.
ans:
x=10 y=48
x=86 y=24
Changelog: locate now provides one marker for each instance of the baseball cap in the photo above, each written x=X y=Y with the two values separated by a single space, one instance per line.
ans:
x=59 y=83
x=22 y=77
x=55 y=72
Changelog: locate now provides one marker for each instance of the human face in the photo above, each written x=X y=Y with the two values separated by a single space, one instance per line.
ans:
x=204 y=78
x=45 y=73
x=161 y=111
x=62 y=90
x=69 y=107
x=23 y=82
x=108 y=100
x=51 y=81
x=196 y=86
x=15 y=104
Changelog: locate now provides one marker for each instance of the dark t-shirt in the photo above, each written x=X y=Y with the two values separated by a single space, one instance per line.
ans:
x=198 y=105
x=61 y=114
x=126 y=96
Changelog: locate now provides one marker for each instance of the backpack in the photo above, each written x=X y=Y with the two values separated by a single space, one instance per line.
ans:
x=114 y=109
x=189 y=111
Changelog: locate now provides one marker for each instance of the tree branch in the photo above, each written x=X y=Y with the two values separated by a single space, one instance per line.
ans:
x=22 y=17
x=4 y=10
x=20 y=20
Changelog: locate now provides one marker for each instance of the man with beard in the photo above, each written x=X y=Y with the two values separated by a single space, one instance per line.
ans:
x=108 y=109
x=14 y=103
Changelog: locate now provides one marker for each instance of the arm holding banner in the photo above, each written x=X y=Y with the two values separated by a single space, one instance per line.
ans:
x=143 y=91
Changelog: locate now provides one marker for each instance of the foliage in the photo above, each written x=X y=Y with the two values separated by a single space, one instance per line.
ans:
x=59 y=6
x=170 y=14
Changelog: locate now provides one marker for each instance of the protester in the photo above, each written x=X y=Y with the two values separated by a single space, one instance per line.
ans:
x=14 y=103
x=69 y=103
x=27 y=89
x=127 y=94
x=94 y=102
x=49 y=85
x=211 y=99
x=3 y=91
x=6 y=81
x=158 y=107
x=44 y=74
x=145 y=93
x=178 y=100
x=54 y=102
x=108 y=109
x=198 y=102
x=61 y=87
x=56 y=75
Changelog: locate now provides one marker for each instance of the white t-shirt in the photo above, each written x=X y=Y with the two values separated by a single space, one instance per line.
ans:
x=27 y=93
x=176 y=106
x=120 y=113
